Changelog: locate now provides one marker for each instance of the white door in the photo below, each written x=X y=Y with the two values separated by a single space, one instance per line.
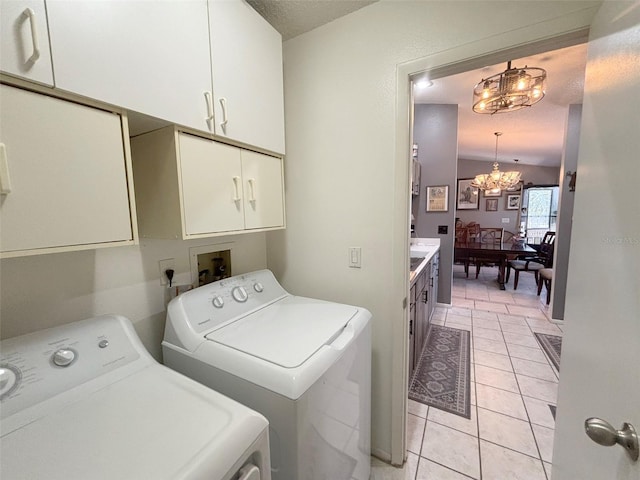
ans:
x=263 y=190
x=600 y=374
x=246 y=57
x=148 y=56
x=24 y=40
x=211 y=186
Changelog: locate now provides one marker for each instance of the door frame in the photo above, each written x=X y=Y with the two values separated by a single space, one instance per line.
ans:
x=560 y=33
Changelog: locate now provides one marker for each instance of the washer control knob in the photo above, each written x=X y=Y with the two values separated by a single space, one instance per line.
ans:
x=258 y=287
x=239 y=294
x=218 y=302
x=64 y=357
x=103 y=343
x=9 y=380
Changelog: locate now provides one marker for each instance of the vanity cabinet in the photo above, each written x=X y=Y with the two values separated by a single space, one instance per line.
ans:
x=420 y=313
x=191 y=187
x=246 y=61
x=64 y=175
x=24 y=41
x=434 y=273
x=149 y=57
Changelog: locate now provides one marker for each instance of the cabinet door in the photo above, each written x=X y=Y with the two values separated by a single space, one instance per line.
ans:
x=148 y=56
x=67 y=171
x=24 y=41
x=211 y=185
x=263 y=190
x=246 y=58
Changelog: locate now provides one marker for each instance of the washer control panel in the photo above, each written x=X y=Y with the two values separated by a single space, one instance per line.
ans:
x=214 y=305
x=40 y=365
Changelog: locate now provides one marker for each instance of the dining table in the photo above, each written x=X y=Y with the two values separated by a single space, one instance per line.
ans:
x=498 y=253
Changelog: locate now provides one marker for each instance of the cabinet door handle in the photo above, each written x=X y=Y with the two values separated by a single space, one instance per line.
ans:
x=34 y=35
x=5 y=179
x=236 y=181
x=209 y=98
x=252 y=197
x=225 y=120
x=425 y=296
x=410 y=327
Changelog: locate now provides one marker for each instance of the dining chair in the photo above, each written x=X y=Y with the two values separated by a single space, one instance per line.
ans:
x=488 y=236
x=543 y=259
x=461 y=237
x=545 y=276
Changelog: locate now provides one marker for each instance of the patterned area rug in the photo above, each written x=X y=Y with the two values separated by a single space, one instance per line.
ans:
x=552 y=346
x=442 y=377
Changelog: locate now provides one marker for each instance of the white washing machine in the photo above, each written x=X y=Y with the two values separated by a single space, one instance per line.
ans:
x=304 y=364
x=86 y=401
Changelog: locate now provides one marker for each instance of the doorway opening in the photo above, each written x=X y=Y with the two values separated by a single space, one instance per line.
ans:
x=443 y=73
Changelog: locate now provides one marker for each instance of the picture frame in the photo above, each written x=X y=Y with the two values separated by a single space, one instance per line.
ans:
x=468 y=197
x=491 y=204
x=437 y=198
x=512 y=202
x=489 y=193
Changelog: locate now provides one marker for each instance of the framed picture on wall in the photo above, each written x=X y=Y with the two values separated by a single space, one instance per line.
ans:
x=513 y=202
x=468 y=195
x=491 y=204
x=489 y=193
x=438 y=198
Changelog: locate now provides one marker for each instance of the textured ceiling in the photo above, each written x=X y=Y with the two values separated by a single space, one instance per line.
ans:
x=295 y=17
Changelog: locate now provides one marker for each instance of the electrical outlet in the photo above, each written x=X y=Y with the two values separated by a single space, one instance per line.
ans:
x=166 y=264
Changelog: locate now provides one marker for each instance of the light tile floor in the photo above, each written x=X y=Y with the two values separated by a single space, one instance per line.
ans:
x=510 y=433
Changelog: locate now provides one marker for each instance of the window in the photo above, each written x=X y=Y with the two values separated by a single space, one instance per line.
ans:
x=539 y=212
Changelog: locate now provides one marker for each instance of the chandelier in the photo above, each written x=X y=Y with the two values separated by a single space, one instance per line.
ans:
x=496 y=181
x=511 y=90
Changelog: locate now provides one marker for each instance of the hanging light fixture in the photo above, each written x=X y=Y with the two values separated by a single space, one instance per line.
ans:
x=511 y=90
x=496 y=181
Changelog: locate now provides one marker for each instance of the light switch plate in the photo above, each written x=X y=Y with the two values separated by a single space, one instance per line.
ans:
x=355 y=257
x=505 y=220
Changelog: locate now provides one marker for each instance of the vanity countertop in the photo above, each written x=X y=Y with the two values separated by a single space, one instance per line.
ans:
x=424 y=249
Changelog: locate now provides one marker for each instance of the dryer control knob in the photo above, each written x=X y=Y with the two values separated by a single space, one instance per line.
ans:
x=258 y=287
x=218 y=302
x=239 y=294
x=64 y=357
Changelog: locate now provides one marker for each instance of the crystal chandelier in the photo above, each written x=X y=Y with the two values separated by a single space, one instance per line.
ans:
x=511 y=90
x=496 y=181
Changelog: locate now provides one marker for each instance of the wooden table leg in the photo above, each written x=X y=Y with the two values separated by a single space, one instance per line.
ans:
x=501 y=272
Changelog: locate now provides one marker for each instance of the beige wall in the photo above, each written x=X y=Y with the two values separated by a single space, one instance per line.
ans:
x=43 y=291
x=342 y=168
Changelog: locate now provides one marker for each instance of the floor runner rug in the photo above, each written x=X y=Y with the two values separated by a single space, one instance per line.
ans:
x=442 y=377
x=552 y=346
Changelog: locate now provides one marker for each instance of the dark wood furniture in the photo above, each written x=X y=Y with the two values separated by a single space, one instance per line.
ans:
x=533 y=263
x=490 y=235
x=497 y=253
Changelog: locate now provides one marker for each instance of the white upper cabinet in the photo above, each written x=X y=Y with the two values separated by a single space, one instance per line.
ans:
x=148 y=56
x=65 y=176
x=24 y=40
x=190 y=187
x=246 y=58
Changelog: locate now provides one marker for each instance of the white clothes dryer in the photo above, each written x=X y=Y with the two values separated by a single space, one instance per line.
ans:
x=86 y=401
x=305 y=364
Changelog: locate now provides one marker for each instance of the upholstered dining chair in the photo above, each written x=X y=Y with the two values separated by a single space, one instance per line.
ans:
x=544 y=259
x=545 y=276
x=488 y=235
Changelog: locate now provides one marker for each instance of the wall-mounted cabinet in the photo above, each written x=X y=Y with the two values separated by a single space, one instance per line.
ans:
x=246 y=58
x=150 y=57
x=65 y=176
x=24 y=41
x=214 y=66
x=190 y=187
